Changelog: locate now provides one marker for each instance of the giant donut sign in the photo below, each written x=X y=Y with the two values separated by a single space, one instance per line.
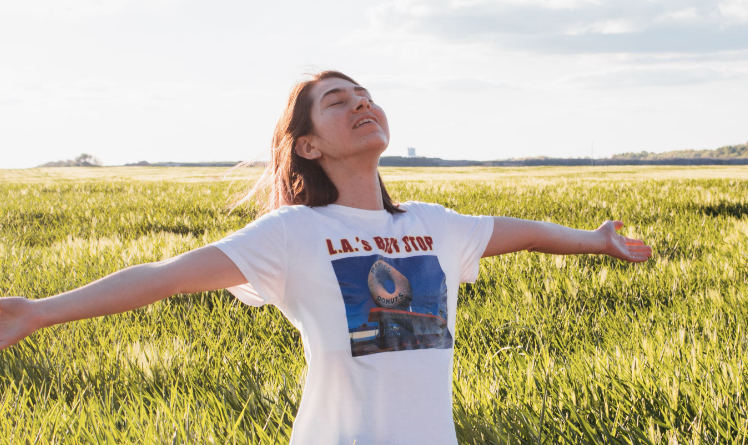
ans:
x=400 y=298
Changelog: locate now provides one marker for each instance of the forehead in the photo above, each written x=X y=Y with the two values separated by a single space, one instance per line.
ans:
x=328 y=84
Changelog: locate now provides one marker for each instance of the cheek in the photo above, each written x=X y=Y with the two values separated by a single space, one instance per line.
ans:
x=329 y=126
x=383 y=122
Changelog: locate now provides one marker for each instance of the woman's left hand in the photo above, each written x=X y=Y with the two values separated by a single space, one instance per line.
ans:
x=618 y=246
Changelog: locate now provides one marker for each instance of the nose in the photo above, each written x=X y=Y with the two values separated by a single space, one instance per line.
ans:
x=363 y=103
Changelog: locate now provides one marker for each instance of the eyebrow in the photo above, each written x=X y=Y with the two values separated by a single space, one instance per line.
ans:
x=340 y=90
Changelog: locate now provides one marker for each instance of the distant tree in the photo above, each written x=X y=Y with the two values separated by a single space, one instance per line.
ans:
x=82 y=160
x=87 y=160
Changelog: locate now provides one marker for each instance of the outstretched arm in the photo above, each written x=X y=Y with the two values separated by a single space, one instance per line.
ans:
x=513 y=235
x=199 y=270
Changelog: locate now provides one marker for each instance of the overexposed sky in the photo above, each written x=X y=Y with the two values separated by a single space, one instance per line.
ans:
x=182 y=80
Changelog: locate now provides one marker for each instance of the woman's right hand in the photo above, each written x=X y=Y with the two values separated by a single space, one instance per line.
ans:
x=18 y=319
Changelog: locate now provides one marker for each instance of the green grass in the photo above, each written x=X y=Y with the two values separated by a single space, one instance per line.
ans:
x=604 y=352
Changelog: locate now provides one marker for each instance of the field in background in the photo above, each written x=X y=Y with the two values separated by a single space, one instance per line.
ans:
x=201 y=174
x=584 y=349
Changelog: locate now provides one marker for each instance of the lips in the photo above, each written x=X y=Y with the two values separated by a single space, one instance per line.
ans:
x=365 y=120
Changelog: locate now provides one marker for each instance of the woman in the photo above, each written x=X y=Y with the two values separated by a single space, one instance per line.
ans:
x=371 y=284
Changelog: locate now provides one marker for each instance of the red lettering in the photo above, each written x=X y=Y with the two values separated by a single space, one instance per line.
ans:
x=380 y=242
x=429 y=241
x=392 y=244
x=407 y=246
x=413 y=242
x=346 y=246
x=421 y=243
x=367 y=246
x=330 y=248
x=388 y=245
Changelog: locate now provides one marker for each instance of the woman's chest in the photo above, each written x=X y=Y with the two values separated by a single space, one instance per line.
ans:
x=371 y=290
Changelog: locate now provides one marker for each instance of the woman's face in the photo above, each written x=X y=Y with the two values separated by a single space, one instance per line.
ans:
x=346 y=122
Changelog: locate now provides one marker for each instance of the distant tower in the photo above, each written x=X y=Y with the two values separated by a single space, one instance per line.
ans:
x=411 y=152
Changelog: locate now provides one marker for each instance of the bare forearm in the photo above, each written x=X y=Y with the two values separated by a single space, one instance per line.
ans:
x=122 y=291
x=553 y=238
x=513 y=235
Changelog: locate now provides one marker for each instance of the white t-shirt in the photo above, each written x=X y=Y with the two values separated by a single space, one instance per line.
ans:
x=374 y=296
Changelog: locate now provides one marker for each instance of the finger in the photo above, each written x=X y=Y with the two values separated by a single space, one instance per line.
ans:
x=642 y=253
x=633 y=241
x=618 y=224
x=638 y=259
x=638 y=252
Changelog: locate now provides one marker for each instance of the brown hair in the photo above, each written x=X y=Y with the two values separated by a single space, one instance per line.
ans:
x=290 y=179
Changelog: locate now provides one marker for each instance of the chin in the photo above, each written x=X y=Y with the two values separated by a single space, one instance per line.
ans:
x=375 y=143
x=374 y=149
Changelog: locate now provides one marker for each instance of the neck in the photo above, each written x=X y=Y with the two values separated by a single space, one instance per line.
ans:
x=357 y=183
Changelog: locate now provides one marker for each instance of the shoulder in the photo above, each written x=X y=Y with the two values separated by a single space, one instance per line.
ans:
x=282 y=214
x=291 y=220
x=433 y=215
x=423 y=207
x=274 y=222
x=432 y=212
x=290 y=211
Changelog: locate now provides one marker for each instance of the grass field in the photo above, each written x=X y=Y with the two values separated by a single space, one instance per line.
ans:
x=580 y=349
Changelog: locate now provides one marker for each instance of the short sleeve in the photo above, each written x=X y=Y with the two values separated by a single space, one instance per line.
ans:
x=470 y=235
x=259 y=251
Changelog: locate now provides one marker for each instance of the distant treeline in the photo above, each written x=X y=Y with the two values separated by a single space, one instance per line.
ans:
x=608 y=161
x=726 y=152
x=400 y=161
x=727 y=155
x=397 y=161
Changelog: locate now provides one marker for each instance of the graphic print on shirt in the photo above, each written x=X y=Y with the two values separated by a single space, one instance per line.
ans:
x=394 y=304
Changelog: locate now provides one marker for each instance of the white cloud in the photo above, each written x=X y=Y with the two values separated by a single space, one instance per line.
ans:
x=734 y=11
x=652 y=76
x=573 y=26
x=605 y=27
x=436 y=84
x=687 y=15
x=548 y=4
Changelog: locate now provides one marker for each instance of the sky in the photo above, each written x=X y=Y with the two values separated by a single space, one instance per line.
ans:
x=189 y=81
